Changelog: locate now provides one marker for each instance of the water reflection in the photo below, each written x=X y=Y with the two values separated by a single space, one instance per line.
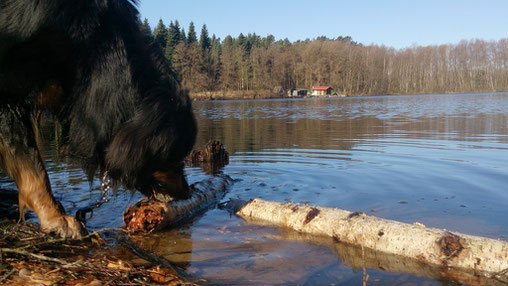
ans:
x=333 y=123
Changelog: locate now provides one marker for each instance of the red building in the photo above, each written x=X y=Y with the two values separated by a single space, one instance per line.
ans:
x=322 y=90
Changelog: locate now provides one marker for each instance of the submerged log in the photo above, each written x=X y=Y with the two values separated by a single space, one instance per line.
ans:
x=151 y=215
x=211 y=158
x=428 y=245
x=212 y=152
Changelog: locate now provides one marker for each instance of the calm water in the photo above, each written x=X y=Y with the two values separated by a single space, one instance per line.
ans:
x=436 y=159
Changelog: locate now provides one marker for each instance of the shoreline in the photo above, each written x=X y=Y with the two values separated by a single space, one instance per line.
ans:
x=247 y=94
x=267 y=94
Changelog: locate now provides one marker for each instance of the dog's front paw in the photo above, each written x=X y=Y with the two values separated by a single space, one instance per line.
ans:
x=66 y=226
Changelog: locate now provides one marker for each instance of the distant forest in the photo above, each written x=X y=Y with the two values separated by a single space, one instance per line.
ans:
x=254 y=63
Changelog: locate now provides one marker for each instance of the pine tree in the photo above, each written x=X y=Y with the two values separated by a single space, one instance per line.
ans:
x=191 y=36
x=228 y=41
x=173 y=38
x=209 y=64
x=175 y=33
x=268 y=41
x=171 y=27
x=145 y=28
x=204 y=40
x=183 y=37
x=240 y=41
x=215 y=49
x=160 y=34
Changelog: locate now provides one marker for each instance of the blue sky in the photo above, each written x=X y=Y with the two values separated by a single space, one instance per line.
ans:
x=393 y=23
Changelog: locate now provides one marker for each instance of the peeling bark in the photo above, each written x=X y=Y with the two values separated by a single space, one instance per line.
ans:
x=151 y=215
x=429 y=245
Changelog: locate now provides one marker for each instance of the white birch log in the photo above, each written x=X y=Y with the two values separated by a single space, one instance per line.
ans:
x=429 y=245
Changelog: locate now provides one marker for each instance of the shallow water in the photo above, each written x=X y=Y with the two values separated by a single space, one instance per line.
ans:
x=436 y=159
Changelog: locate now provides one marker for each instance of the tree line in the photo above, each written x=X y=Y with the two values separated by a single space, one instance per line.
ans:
x=251 y=62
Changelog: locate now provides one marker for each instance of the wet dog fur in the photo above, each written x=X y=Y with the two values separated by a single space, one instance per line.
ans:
x=89 y=63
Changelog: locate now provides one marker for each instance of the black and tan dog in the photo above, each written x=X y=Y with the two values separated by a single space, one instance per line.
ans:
x=89 y=63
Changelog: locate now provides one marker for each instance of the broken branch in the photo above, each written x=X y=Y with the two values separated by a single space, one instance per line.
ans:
x=147 y=216
x=26 y=253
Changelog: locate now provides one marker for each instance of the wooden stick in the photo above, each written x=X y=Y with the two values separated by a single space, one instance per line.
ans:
x=40 y=257
x=6 y=276
x=429 y=245
x=148 y=216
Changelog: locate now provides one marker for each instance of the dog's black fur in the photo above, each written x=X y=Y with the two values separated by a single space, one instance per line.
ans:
x=90 y=64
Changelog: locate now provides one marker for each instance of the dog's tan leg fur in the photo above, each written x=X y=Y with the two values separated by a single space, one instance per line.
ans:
x=31 y=178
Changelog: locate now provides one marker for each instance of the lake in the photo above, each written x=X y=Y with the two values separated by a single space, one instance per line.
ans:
x=435 y=159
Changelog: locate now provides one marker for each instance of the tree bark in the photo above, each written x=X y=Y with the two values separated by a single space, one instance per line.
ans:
x=152 y=215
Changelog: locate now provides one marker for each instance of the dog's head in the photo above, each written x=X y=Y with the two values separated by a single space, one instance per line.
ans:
x=166 y=183
x=146 y=153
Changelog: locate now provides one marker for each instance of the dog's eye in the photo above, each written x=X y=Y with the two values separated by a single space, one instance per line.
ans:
x=158 y=185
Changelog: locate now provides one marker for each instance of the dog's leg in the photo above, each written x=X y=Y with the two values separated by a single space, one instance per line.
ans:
x=21 y=160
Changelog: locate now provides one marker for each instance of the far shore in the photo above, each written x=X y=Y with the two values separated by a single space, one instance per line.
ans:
x=248 y=94
x=267 y=94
